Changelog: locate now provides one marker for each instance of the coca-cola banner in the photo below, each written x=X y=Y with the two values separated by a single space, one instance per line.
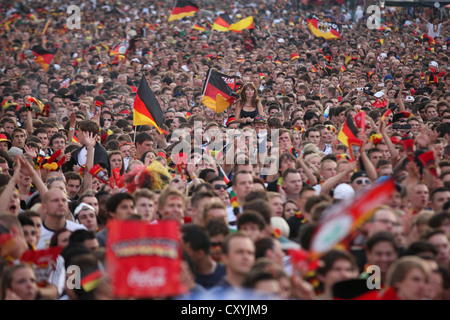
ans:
x=144 y=260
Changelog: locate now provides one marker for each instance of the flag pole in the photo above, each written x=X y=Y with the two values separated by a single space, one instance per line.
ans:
x=206 y=82
x=134 y=138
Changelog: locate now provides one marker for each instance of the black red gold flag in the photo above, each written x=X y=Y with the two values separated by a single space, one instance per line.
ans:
x=218 y=93
x=147 y=110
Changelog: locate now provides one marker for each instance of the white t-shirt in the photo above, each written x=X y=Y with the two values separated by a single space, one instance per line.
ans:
x=46 y=234
x=431 y=31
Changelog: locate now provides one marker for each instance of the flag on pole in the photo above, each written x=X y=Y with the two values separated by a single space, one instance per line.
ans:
x=183 y=8
x=42 y=56
x=246 y=23
x=218 y=92
x=199 y=27
x=222 y=23
x=348 y=130
x=323 y=29
x=147 y=110
x=340 y=219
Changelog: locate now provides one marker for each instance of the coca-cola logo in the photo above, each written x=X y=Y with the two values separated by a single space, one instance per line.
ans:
x=152 y=277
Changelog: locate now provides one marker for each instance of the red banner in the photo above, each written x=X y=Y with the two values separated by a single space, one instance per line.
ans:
x=43 y=262
x=144 y=260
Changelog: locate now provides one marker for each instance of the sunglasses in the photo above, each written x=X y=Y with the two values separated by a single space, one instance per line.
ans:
x=107 y=119
x=220 y=186
x=361 y=181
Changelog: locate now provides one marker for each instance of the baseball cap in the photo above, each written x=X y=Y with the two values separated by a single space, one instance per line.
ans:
x=343 y=191
x=358 y=174
x=83 y=206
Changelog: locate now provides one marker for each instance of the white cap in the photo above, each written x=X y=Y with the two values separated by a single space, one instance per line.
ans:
x=343 y=191
x=434 y=64
x=281 y=40
x=409 y=99
x=83 y=206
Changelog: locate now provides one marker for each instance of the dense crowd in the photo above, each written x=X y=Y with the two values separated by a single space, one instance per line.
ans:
x=247 y=186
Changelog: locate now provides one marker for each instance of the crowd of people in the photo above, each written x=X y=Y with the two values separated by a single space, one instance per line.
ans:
x=72 y=159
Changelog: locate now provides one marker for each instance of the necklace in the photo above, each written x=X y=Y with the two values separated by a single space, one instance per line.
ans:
x=435 y=27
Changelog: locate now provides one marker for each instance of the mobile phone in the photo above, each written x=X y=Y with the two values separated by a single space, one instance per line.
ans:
x=100 y=79
x=396 y=93
x=359 y=88
x=76 y=104
x=395 y=82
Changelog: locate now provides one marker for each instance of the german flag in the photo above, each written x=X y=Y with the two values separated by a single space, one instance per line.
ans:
x=37 y=102
x=91 y=281
x=199 y=27
x=147 y=110
x=183 y=8
x=47 y=24
x=348 y=130
x=323 y=29
x=218 y=92
x=246 y=23
x=222 y=23
x=42 y=56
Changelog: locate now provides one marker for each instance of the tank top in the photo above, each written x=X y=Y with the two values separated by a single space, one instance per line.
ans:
x=249 y=114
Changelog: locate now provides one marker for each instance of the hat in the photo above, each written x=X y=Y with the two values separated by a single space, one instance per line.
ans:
x=343 y=191
x=409 y=99
x=388 y=76
x=280 y=40
x=82 y=206
x=358 y=174
x=433 y=64
x=230 y=121
x=14 y=151
x=3 y=137
x=259 y=119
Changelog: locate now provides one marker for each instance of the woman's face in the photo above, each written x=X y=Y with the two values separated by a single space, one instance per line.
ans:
x=249 y=92
x=63 y=238
x=289 y=210
x=116 y=161
x=315 y=161
x=24 y=284
x=149 y=157
x=413 y=286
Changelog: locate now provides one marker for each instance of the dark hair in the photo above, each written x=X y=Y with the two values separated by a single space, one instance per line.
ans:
x=251 y=216
x=196 y=237
x=80 y=235
x=54 y=238
x=113 y=202
x=381 y=236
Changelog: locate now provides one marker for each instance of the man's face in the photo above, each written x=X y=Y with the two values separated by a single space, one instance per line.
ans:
x=375 y=157
x=293 y=184
x=383 y=220
x=328 y=170
x=285 y=141
x=88 y=218
x=342 y=269
x=56 y=204
x=124 y=210
x=18 y=139
x=73 y=187
x=244 y=184
x=421 y=196
x=145 y=146
x=327 y=136
x=58 y=144
x=145 y=207
x=439 y=199
x=9 y=127
x=314 y=137
x=383 y=255
x=172 y=209
x=241 y=255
